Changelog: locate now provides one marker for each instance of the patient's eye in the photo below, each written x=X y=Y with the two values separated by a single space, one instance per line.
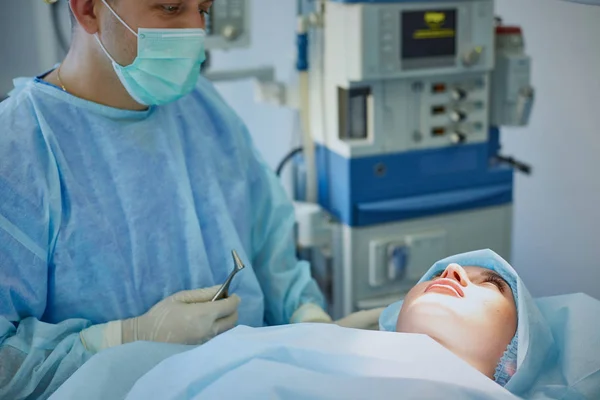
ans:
x=496 y=281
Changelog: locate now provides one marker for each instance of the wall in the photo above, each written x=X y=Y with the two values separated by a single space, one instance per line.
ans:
x=272 y=127
x=557 y=210
x=14 y=62
x=28 y=47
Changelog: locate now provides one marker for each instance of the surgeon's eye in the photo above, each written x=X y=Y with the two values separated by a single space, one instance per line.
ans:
x=204 y=12
x=171 y=9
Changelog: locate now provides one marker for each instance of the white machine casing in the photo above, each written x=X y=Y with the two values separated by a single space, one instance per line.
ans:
x=363 y=49
x=513 y=95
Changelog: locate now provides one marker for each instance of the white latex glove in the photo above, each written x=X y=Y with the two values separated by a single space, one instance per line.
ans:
x=310 y=312
x=368 y=320
x=187 y=317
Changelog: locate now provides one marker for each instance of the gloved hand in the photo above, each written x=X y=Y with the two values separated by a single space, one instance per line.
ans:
x=187 y=317
x=310 y=312
x=368 y=320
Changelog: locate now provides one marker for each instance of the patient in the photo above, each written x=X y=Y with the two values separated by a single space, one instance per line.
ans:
x=475 y=305
x=469 y=310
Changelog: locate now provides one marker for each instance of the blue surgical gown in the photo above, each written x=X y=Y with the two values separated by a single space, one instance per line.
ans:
x=105 y=212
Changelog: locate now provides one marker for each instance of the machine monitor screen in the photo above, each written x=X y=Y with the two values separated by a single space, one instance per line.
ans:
x=428 y=34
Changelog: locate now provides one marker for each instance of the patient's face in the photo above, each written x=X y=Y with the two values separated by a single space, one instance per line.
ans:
x=471 y=311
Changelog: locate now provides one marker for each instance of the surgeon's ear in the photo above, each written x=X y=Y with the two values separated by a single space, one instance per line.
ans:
x=85 y=12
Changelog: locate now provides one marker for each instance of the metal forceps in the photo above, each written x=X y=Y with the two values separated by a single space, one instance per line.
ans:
x=238 y=265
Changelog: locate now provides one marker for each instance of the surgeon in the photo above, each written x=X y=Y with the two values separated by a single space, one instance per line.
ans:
x=125 y=183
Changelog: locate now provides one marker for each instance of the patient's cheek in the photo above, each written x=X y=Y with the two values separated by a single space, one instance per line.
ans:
x=403 y=322
x=506 y=319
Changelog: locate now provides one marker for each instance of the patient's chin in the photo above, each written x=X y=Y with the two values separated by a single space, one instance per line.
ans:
x=439 y=321
x=432 y=306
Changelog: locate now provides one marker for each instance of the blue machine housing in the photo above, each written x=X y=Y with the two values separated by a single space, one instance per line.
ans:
x=394 y=187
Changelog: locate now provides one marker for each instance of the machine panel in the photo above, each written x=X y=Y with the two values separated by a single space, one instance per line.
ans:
x=402 y=76
x=396 y=40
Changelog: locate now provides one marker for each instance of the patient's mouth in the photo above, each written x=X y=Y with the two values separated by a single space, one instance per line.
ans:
x=446 y=286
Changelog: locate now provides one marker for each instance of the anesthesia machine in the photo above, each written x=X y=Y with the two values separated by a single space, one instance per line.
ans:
x=404 y=104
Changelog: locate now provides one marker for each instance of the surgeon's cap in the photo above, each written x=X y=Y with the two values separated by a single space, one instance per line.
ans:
x=507 y=366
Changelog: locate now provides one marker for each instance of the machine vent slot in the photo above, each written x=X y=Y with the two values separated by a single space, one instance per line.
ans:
x=355 y=108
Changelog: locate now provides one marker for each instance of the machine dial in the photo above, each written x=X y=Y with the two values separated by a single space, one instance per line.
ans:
x=458 y=137
x=459 y=94
x=472 y=57
x=230 y=32
x=458 y=116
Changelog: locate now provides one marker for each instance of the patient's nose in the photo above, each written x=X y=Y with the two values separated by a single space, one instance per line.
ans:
x=457 y=273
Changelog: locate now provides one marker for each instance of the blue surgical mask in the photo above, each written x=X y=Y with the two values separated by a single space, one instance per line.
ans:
x=167 y=66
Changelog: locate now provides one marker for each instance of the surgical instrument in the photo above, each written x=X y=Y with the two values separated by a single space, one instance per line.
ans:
x=238 y=265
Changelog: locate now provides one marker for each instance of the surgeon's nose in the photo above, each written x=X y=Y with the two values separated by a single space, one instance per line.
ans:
x=457 y=273
x=196 y=21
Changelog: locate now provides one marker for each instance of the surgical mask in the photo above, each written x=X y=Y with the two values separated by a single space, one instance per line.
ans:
x=167 y=66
